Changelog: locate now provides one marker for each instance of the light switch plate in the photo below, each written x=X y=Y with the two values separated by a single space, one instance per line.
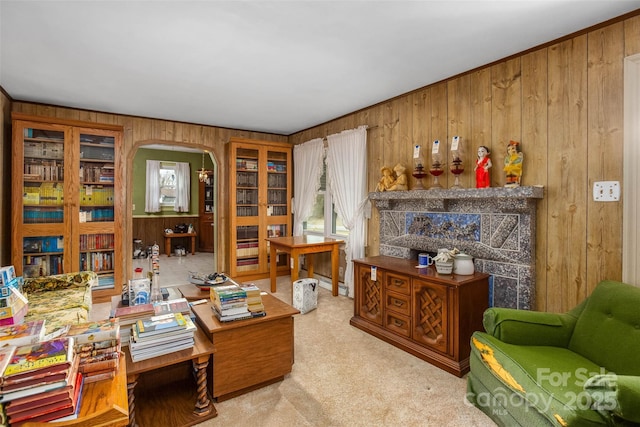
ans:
x=606 y=191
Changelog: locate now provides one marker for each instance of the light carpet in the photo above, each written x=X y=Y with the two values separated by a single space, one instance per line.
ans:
x=343 y=376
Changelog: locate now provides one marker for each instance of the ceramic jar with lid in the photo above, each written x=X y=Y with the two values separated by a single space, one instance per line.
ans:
x=463 y=264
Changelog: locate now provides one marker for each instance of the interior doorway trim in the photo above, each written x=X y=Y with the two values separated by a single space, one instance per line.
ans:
x=631 y=173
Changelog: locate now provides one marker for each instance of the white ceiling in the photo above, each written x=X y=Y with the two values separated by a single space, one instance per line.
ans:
x=270 y=66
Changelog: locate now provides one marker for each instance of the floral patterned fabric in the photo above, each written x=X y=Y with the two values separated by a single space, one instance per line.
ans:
x=61 y=299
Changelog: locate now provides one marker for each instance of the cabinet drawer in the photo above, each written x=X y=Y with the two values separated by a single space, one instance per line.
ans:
x=398 y=303
x=397 y=323
x=397 y=283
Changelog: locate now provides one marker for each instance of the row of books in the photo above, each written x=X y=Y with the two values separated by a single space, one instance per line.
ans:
x=236 y=302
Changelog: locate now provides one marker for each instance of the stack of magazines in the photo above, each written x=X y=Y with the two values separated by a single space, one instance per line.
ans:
x=159 y=335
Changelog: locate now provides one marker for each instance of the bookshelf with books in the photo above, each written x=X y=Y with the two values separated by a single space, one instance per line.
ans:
x=67 y=199
x=259 y=205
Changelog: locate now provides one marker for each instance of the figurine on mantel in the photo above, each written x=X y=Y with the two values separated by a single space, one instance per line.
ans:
x=401 y=178
x=483 y=164
x=513 y=164
x=387 y=179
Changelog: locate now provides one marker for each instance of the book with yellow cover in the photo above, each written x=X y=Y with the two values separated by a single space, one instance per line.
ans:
x=43 y=355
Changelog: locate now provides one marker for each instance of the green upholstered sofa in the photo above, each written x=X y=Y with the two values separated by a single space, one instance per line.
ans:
x=580 y=368
x=60 y=299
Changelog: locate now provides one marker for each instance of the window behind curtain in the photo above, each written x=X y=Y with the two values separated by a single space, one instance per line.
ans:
x=329 y=224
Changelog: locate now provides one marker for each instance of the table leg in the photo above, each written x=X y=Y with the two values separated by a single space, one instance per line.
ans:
x=193 y=245
x=132 y=380
x=310 y=265
x=296 y=267
x=272 y=267
x=335 y=262
x=167 y=246
x=203 y=405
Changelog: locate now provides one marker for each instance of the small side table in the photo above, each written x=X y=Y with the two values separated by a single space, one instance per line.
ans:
x=169 y=236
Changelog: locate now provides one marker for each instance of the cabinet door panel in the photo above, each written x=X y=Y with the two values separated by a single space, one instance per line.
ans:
x=369 y=298
x=431 y=315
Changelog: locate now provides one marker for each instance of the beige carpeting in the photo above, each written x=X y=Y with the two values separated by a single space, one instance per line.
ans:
x=345 y=377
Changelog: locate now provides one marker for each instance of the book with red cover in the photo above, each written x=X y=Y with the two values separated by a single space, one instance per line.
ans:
x=134 y=311
x=42 y=386
x=17 y=409
x=49 y=412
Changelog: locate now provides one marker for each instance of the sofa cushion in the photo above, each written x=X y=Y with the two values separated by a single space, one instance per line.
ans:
x=546 y=379
x=60 y=299
x=610 y=317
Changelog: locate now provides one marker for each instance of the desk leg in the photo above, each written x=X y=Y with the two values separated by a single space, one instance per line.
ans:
x=193 y=245
x=296 y=265
x=310 y=266
x=272 y=267
x=167 y=246
x=203 y=405
x=132 y=380
x=335 y=261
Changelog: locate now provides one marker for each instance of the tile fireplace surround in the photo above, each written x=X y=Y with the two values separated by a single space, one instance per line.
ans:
x=497 y=226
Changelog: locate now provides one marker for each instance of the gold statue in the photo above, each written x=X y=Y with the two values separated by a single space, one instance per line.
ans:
x=387 y=179
x=513 y=164
x=401 y=178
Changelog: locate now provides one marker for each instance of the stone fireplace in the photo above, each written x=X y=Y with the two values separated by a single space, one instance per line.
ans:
x=494 y=225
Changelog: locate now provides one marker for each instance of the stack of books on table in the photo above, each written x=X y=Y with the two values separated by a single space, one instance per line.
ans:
x=97 y=345
x=128 y=316
x=160 y=335
x=40 y=382
x=235 y=302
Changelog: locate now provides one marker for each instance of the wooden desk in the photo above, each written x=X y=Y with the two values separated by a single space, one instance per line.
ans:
x=191 y=292
x=250 y=353
x=169 y=392
x=169 y=236
x=104 y=403
x=300 y=245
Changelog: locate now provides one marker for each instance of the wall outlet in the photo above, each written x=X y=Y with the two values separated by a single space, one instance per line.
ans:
x=134 y=206
x=606 y=191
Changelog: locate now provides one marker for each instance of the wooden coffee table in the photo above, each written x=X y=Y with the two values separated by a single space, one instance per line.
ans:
x=250 y=353
x=163 y=389
x=191 y=292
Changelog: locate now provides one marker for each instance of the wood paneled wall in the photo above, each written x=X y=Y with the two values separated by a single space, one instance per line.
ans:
x=564 y=103
x=140 y=131
x=5 y=179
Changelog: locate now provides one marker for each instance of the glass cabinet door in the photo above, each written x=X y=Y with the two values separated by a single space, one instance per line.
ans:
x=97 y=254
x=247 y=196
x=97 y=177
x=277 y=192
x=43 y=176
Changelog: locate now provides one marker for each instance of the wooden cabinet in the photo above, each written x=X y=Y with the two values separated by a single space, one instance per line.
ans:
x=67 y=200
x=259 y=205
x=206 y=209
x=429 y=315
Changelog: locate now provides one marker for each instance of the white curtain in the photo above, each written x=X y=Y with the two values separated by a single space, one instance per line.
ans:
x=152 y=194
x=347 y=178
x=183 y=187
x=308 y=159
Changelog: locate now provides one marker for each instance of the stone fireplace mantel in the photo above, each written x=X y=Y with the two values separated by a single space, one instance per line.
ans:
x=495 y=225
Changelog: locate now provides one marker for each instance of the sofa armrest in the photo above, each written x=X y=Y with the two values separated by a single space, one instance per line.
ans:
x=524 y=327
x=615 y=396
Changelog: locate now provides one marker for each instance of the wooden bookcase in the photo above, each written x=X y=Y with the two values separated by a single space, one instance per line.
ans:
x=206 y=224
x=259 y=205
x=67 y=200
